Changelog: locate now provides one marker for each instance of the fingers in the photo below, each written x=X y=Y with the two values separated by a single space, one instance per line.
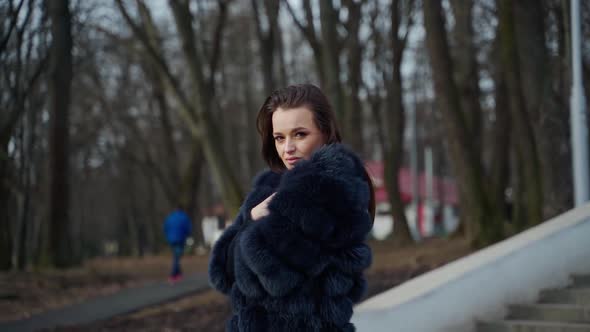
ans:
x=261 y=210
x=269 y=198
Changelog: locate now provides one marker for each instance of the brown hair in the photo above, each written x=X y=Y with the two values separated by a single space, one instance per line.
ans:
x=294 y=96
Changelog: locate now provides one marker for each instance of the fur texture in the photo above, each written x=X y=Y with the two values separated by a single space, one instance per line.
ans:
x=301 y=267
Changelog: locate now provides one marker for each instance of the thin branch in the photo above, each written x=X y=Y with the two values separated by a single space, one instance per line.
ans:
x=163 y=66
x=183 y=20
x=257 y=20
x=216 y=54
x=308 y=30
x=17 y=111
x=409 y=24
x=13 y=22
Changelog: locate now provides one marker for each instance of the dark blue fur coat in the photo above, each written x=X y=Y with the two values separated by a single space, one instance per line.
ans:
x=301 y=267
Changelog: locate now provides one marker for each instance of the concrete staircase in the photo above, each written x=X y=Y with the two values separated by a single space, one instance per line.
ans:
x=557 y=310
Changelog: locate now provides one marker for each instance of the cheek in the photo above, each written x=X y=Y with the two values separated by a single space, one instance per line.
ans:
x=311 y=146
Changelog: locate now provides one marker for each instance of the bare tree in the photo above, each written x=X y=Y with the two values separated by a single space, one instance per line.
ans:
x=186 y=180
x=391 y=122
x=307 y=27
x=483 y=218
x=329 y=48
x=22 y=64
x=198 y=114
x=60 y=70
x=270 y=43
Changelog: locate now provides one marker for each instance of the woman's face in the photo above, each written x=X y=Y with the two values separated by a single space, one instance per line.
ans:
x=296 y=134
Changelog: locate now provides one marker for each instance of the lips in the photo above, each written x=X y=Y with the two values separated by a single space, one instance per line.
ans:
x=293 y=160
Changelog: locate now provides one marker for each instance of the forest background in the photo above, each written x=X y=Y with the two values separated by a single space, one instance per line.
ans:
x=114 y=112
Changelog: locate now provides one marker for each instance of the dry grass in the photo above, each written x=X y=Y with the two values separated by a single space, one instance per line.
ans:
x=432 y=252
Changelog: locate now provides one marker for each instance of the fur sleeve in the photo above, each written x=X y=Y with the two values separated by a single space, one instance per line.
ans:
x=221 y=262
x=221 y=277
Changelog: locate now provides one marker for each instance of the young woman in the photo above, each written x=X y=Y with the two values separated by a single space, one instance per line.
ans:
x=293 y=260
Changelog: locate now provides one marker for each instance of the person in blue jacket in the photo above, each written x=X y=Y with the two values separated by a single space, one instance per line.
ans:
x=293 y=260
x=177 y=228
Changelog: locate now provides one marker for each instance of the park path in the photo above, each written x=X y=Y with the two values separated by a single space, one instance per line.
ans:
x=104 y=307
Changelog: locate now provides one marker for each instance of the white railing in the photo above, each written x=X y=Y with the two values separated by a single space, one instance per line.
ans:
x=480 y=285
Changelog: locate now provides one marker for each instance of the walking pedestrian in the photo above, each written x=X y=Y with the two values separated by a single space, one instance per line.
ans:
x=177 y=227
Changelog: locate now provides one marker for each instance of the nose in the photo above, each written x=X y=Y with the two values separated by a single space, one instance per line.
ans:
x=289 y=146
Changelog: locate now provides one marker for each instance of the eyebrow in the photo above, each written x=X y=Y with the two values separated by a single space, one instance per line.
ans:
x=292 y=130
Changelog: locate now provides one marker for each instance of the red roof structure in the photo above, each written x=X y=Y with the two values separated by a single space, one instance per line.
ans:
x=444 y=189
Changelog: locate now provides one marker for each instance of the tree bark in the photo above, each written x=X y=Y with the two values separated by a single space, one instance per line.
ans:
x=353 y=119
x=500 y=137
x=527 y=156
x=268 y=41
x=5 y=208
x=59 y=95
x=188 y=191
x=466 y=72
x=394 y=120
x=331 y=58
x=253 y=156
x=23 y=248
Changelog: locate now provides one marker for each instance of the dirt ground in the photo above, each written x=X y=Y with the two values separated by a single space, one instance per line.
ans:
x=23 y=294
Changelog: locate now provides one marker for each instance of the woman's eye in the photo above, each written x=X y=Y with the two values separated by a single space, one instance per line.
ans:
x=278 y=138
x=300 y=134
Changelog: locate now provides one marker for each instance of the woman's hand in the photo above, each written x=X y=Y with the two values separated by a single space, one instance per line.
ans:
x=261 y=210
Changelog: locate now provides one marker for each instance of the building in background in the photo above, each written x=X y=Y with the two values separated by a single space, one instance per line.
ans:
x=433 y=213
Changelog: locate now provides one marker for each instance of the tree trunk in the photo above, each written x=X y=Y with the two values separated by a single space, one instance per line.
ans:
x=23 y=251
x=5 y=212
x=550 y=120
x=60 y=246
x=466 y=72
x=268 y=40
x=500 y=136
x=483 y=220
x=394 y=123
x=190 y=186
x=393 y=157
x=527 y=156
x=353 y=126
x=253 y=156
x=529 y=36
x=331 y=58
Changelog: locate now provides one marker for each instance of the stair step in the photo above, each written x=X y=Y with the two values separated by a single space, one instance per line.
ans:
x=530 y=326
x=580 y=280
x=580 y=296
x=550 y=312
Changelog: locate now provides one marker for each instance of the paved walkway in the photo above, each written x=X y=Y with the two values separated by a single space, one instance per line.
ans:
x=100 y=308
